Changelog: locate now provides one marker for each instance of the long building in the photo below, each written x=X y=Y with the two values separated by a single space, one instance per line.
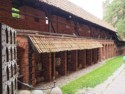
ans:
x=56 y=37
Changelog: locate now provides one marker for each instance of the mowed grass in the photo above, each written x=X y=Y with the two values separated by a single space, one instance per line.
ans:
x=95 y=77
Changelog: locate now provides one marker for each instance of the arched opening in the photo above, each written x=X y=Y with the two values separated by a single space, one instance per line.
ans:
x=15 y=69
x=7 y=55
x=14 y=53
x=7 y=70
x=12 y=91
x=8 y=90
x=11 y=71
x=11 y=51
x=14 y=37
x=15 y=84
x=11 y=37
x=7 y=36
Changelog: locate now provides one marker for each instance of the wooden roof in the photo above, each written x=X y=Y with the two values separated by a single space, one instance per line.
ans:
x=68 y=6
x=47 y=44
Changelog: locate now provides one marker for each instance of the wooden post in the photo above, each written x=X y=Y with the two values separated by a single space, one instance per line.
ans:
x=84 y=58
x=74 y=59
x=89 y=57
x=81 y=58
x=53 y=68
x=64 y=63
x=47 y=65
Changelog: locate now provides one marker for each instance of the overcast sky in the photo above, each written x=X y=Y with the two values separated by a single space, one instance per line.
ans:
x=92 y=6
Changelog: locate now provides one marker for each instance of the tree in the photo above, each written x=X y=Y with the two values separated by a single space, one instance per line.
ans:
x=115 y=14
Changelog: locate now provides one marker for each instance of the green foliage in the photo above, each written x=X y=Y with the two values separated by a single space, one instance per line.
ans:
x=115 y=14
x=95 y=77
x=15 y=13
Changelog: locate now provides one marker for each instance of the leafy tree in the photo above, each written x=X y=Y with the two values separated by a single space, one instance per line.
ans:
x=115 y=14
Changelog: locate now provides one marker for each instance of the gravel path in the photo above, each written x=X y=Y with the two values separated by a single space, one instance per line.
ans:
x=70 y=77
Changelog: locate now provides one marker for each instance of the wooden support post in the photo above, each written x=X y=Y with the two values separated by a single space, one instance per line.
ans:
x=74 y=59
x=100 y=50
x=53 y=68
x=49 y=67
x=105 y=51
x=81 y=59
x=97 y=55
x=84 y=58
x=46 y=58
x=93 y=56
x=89 y=57
x=64 y=63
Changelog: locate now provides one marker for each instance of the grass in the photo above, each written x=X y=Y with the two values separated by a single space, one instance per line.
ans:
x=95 y=77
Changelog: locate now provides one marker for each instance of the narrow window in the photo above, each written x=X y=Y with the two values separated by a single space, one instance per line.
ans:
x=12 y=92
x=15 y=69
x=15 y=13
x=8 y=90
x=14 y=53
x=7 y=36
x=11 y=54
x=11 y=71
x=7 y=55
x=7 y=71
x=47 y=20
x=36 y=19
x=11 y=37
x=15 y=84
x=14 y=37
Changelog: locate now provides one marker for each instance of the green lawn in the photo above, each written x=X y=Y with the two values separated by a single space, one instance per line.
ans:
x=95 y=77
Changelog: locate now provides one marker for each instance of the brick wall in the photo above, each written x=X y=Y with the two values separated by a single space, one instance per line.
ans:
x=22 y=57
x=108 y=50
x=33 y=22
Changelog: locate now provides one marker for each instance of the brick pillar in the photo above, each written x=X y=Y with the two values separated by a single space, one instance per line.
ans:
x=22 y=55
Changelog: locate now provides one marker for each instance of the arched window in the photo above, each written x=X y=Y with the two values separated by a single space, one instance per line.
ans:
x=11 y=51
x=11 y=37
x=15 y=84
x=11 y=71
x=14 y=37
x=15 y=69
x=7 y=55
x=7 y=36
x=12 y=91
x=8 y=90
x=7 y=71
x=15 y=53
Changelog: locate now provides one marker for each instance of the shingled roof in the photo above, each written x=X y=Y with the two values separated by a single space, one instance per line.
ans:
x=77 y=11
x=47 y=44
